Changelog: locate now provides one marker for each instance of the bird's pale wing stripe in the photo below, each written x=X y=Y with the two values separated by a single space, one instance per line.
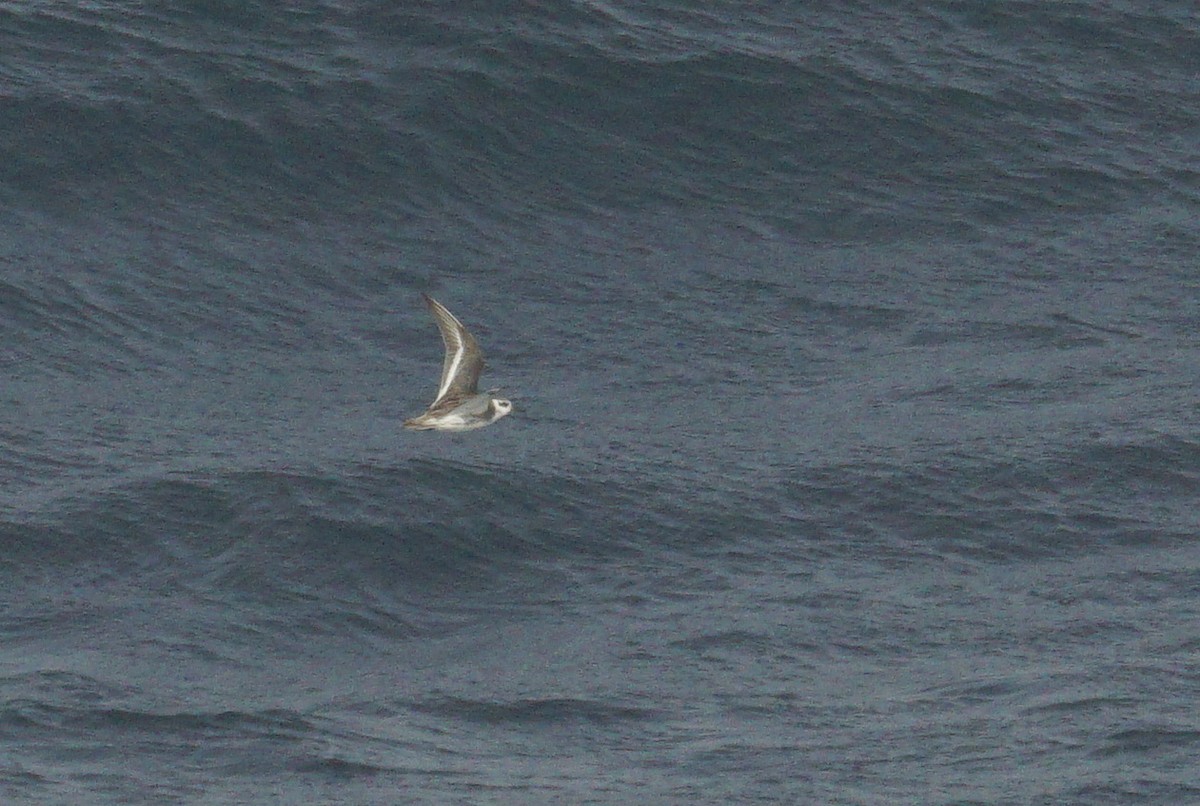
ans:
x=451 y=369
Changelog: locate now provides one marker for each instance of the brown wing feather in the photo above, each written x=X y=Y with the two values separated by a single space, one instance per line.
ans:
x=460 y=375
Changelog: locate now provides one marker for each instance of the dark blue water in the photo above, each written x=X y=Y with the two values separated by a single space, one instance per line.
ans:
x=854 y=349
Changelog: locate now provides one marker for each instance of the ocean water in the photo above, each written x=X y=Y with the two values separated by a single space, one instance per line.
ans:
x=854 y=350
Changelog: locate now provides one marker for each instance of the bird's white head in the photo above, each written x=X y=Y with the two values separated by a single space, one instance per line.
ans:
x=502 y=407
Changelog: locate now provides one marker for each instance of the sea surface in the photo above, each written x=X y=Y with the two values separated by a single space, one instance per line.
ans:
x=855 y=356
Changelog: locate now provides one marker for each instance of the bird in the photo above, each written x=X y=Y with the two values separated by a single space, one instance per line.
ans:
x=458 y=406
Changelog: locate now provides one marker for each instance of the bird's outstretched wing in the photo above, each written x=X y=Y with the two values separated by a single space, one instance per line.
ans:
x=464 y=360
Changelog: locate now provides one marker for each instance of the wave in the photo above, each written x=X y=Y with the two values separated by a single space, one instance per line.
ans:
x=1077 y=501
x=798 y=120
x=429 y=537
x=557 y=711
x=368 y=551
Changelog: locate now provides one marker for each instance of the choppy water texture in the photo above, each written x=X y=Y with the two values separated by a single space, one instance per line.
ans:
x=854 y=350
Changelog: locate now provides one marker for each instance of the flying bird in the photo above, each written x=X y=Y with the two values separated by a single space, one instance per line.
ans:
x=459 y=406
